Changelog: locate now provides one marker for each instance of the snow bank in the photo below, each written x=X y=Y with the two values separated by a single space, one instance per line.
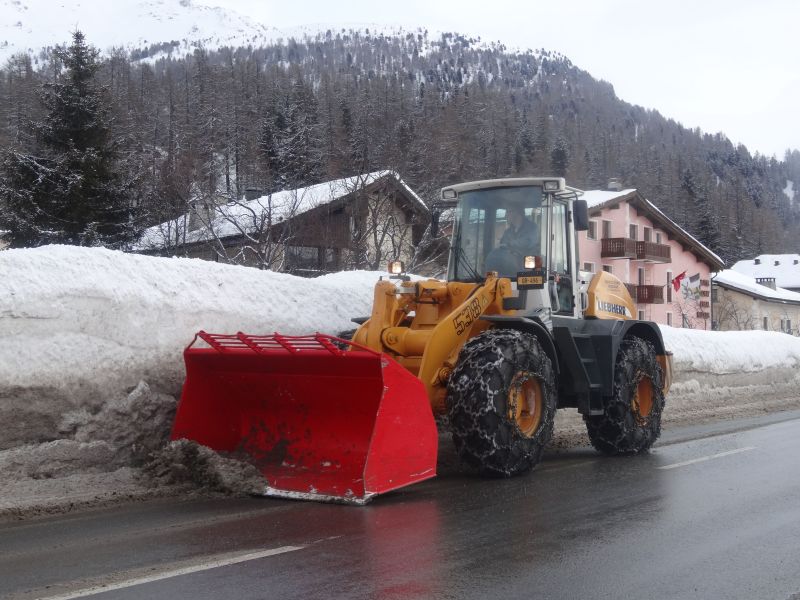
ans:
x=725 y=352
x=79 y=326
x=724 y=373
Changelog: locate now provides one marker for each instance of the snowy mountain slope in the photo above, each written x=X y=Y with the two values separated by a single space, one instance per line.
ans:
x=165 y=26
x=30 y=25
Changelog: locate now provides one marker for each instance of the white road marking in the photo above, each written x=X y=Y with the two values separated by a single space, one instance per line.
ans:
x=221 y=560
x=705 y=458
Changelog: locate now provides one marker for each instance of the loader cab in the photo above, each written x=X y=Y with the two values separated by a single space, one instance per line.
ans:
x=516 y=227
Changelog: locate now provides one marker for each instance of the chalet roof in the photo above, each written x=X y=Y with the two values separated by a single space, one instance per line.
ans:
x=597 y=200
x=786 y=273
x=739 y=282
x=234 y=218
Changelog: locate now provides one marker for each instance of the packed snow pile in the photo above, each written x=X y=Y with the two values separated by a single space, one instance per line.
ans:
x=727 y=373
x=80 y=327
x=91 y=362
x=91 y=366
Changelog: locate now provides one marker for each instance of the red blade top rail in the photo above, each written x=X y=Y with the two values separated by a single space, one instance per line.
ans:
x=292 y=344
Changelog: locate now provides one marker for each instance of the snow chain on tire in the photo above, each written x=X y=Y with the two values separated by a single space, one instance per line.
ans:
x=479 y=401
x=623 y=428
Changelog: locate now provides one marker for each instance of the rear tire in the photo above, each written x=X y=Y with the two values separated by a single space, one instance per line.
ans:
x=501 y=402
x=631 y=422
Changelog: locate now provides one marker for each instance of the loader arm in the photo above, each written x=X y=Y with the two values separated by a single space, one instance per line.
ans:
x=445 y=316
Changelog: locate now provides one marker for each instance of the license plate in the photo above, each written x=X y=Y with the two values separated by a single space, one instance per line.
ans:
x=530 y=281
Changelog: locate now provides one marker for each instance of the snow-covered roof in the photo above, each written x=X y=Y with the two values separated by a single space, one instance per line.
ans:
x=786 y=272
x=596 y=200
x=235 y=218
x=744 y=283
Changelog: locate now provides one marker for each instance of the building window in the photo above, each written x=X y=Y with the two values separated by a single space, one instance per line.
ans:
x=684 y=321
x=587 y=266
x=608 y=268
x=669 y=286
x=641 y=276
x=634 y=231
x=714 y=297
x=669 y=319
x=714 y=325
x=302 y=257
x=788 y=326
x=766 y=323
x=648 y=234
x=591 y=233
x=641 y=315
x=606 y=229
x=658 y=237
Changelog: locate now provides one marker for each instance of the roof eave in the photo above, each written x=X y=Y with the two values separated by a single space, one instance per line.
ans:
x=677 y=232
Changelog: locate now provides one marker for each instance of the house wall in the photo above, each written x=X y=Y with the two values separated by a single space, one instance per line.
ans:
x=679 y=309
x=738 y=311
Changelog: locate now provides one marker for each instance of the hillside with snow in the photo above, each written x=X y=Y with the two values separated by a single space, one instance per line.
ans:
x=148 y=29
x=30 y=25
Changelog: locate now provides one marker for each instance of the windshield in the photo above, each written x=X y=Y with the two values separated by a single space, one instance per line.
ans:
x=495 y=230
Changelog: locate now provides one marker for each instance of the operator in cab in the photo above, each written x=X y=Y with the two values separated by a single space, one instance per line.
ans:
x=521 y=237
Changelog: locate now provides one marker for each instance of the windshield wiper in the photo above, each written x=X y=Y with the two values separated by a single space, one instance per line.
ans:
x=461 y=258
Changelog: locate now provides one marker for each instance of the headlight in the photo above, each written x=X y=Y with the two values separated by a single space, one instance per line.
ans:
x=552 y=186
x=530 y=262
x=396 y=267
x=533 y=262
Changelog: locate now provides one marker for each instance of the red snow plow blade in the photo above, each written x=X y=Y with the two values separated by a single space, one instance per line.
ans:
x=320 y=422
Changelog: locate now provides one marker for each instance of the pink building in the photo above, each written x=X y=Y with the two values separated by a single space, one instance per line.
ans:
x=629 y=237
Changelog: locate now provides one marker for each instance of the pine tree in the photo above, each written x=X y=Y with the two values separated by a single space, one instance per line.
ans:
x=68 y=187
x=559 y=158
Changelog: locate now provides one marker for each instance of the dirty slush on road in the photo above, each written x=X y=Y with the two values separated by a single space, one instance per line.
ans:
x=118 y=454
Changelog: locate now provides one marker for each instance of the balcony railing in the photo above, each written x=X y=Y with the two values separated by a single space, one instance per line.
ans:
x=649 y=294
x=618 y=248
x=653 y=252
x=646 y=294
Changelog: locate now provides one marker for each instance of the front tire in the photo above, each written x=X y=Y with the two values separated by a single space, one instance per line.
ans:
x=631 y=422
x=501 y=401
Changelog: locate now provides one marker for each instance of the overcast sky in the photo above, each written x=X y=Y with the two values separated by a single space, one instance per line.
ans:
x=721 y=65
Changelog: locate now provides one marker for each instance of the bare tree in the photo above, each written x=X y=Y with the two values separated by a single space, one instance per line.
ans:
x=381 y=229
x=253 y=232
x=731 y=315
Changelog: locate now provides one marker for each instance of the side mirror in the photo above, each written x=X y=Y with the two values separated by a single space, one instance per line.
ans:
x=580 y=215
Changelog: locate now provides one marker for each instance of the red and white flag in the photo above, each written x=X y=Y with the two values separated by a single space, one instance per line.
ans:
x=676 y=282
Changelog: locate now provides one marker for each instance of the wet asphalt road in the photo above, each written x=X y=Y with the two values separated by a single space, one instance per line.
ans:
x=710 y=513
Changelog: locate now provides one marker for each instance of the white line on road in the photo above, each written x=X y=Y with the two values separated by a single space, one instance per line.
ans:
x=705 y=458
x=221 y=560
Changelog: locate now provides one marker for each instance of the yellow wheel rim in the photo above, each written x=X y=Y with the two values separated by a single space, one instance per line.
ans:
x=525 y=403
x=642 y=401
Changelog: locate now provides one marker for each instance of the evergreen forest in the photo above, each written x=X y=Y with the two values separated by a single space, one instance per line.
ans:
x=96 y=147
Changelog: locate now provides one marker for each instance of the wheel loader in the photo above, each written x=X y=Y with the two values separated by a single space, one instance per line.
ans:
x=515 y=332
